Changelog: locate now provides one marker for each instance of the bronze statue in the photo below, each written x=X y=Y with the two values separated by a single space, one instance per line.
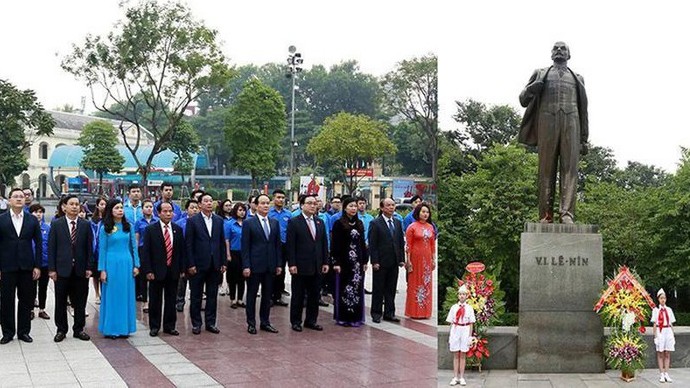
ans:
x=556 y=122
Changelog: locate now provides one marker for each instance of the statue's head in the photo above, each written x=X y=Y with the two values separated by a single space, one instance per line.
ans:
x=560 y=52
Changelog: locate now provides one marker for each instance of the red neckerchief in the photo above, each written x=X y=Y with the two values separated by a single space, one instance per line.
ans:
x=460 y=314
x=663 y=321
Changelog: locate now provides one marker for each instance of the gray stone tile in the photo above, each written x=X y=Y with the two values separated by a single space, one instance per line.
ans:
x=12 y=367
x=105 y=384
x=15 y=380
x=47 y=366
x=94 y=376
x=179 y=369
x=193 y=381
x=534 y=384
x=66 y=377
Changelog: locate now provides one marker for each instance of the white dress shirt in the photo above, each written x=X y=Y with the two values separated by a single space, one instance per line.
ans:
x=209 y=223
x=170 y=231
x=18 y=221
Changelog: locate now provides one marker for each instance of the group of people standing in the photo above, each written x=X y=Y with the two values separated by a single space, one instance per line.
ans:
x=144 y=251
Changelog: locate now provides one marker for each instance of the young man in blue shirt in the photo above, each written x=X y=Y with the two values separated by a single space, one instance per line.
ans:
x=282 y=215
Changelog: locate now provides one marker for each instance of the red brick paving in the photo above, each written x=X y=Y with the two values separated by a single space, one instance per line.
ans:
x=336 y=357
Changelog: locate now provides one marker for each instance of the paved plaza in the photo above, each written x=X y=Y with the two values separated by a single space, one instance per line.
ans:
x=386 y=354
x=610 y=379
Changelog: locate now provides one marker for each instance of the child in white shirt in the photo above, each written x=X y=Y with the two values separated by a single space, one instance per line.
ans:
x=461 y=319
x=665 y=342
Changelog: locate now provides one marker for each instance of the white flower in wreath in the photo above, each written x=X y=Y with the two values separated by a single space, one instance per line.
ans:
x=628 y=320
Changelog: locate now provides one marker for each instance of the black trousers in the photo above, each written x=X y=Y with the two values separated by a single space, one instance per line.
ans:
x=19 y=284
x=311 y=286
x=234 y=276
x=77 y=288
x=182 y=290
x=279 y=280
x=265 y=280
x=141 y=284
x=385 y=283
x=209 y=278
x=162 y=295
x=42 y=284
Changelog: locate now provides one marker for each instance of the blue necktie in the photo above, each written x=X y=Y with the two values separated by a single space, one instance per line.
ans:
x=391 y=228
x=265 y=227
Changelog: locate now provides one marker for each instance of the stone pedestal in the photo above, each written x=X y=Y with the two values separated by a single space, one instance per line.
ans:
x=561 y=276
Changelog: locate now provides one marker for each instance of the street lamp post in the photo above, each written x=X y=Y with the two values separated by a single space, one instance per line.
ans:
x=294 y=62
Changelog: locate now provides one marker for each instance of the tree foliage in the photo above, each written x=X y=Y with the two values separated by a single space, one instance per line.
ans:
x=256 y=124
x=149 y=69
x=20 y=115
x=99 y=140
x=488 y=125
x=411 y=91
x=350 y=142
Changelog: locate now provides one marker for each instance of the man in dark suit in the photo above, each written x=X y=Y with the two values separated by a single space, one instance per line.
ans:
x=386 y=249
x=162 y=261
x=20 y=266
x=70 y=263
x=307 y=255
x=206 y=258
x=261 y=261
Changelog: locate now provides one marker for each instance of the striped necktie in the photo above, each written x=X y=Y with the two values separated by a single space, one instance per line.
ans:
x=168 y=246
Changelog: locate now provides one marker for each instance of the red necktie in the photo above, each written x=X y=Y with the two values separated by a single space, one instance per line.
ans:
x=460 y=314
x=663 y=319
x=168 y=246
x=311 y=227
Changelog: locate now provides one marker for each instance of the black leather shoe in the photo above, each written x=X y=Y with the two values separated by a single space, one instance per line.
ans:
x=213 y=329
x=25 y=337
x=376 y=319
x=322 y=303
x=179 y=307
x=279 y=303
x=392 y=319
x=367 y=292
x=59 y=337
x=296 y=327
x=196 y=330
x=269 y=328
x=153 y=332
x=172 y=332
x=5 y=340
x=251 y=329
x=82 y=336
x=314 y=326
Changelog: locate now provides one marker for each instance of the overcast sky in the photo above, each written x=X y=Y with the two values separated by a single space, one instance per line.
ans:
x=36 y=35
x=632 y=55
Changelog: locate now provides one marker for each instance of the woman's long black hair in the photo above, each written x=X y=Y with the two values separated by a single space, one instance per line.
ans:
x=108 y=221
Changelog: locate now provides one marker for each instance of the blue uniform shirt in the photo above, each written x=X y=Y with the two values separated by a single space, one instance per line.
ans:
x=283 y=217
x=133 y=214
x=140 y=227
x=233 y=233
x=182 y=223
x=366 y=220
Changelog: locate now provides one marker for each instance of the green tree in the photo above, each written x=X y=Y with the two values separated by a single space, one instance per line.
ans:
x=411 y=158
x=255 y=126
x=20 y=115
x=350 y=142
x=161 y=55
x=411 y=90
x=211 y=128
x=98 y=140
x=488 y=125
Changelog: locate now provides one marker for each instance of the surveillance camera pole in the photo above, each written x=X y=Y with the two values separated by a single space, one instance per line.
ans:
x=294 y=61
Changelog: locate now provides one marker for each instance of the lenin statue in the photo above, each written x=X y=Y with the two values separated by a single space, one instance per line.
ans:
x=556 y=122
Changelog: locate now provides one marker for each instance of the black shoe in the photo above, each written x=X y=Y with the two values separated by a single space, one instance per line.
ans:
x=25 y=337
x=140 y=298
x=233 y=305
x=392 y=319
x=241 y=304
x=172 y=332
x=145 y=310
x=269 y=328
x=376 y=319
x=322 y=303
x=59 y=337
x=33 y=315
x=313 y=326
x=213 y=329
x=251 y=329
x=81 y=335
x=279 y=303
x=367 y=292
x=196 y=330
x=179 y=307
x=5 y=340
x=296 y=327
x=153 y=333
x=285 y=293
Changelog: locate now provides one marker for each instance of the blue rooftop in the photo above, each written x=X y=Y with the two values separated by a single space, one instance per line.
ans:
x=69 y=156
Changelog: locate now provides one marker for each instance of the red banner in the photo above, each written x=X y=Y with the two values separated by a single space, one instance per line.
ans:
x=475 y=267
x=362 y=172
